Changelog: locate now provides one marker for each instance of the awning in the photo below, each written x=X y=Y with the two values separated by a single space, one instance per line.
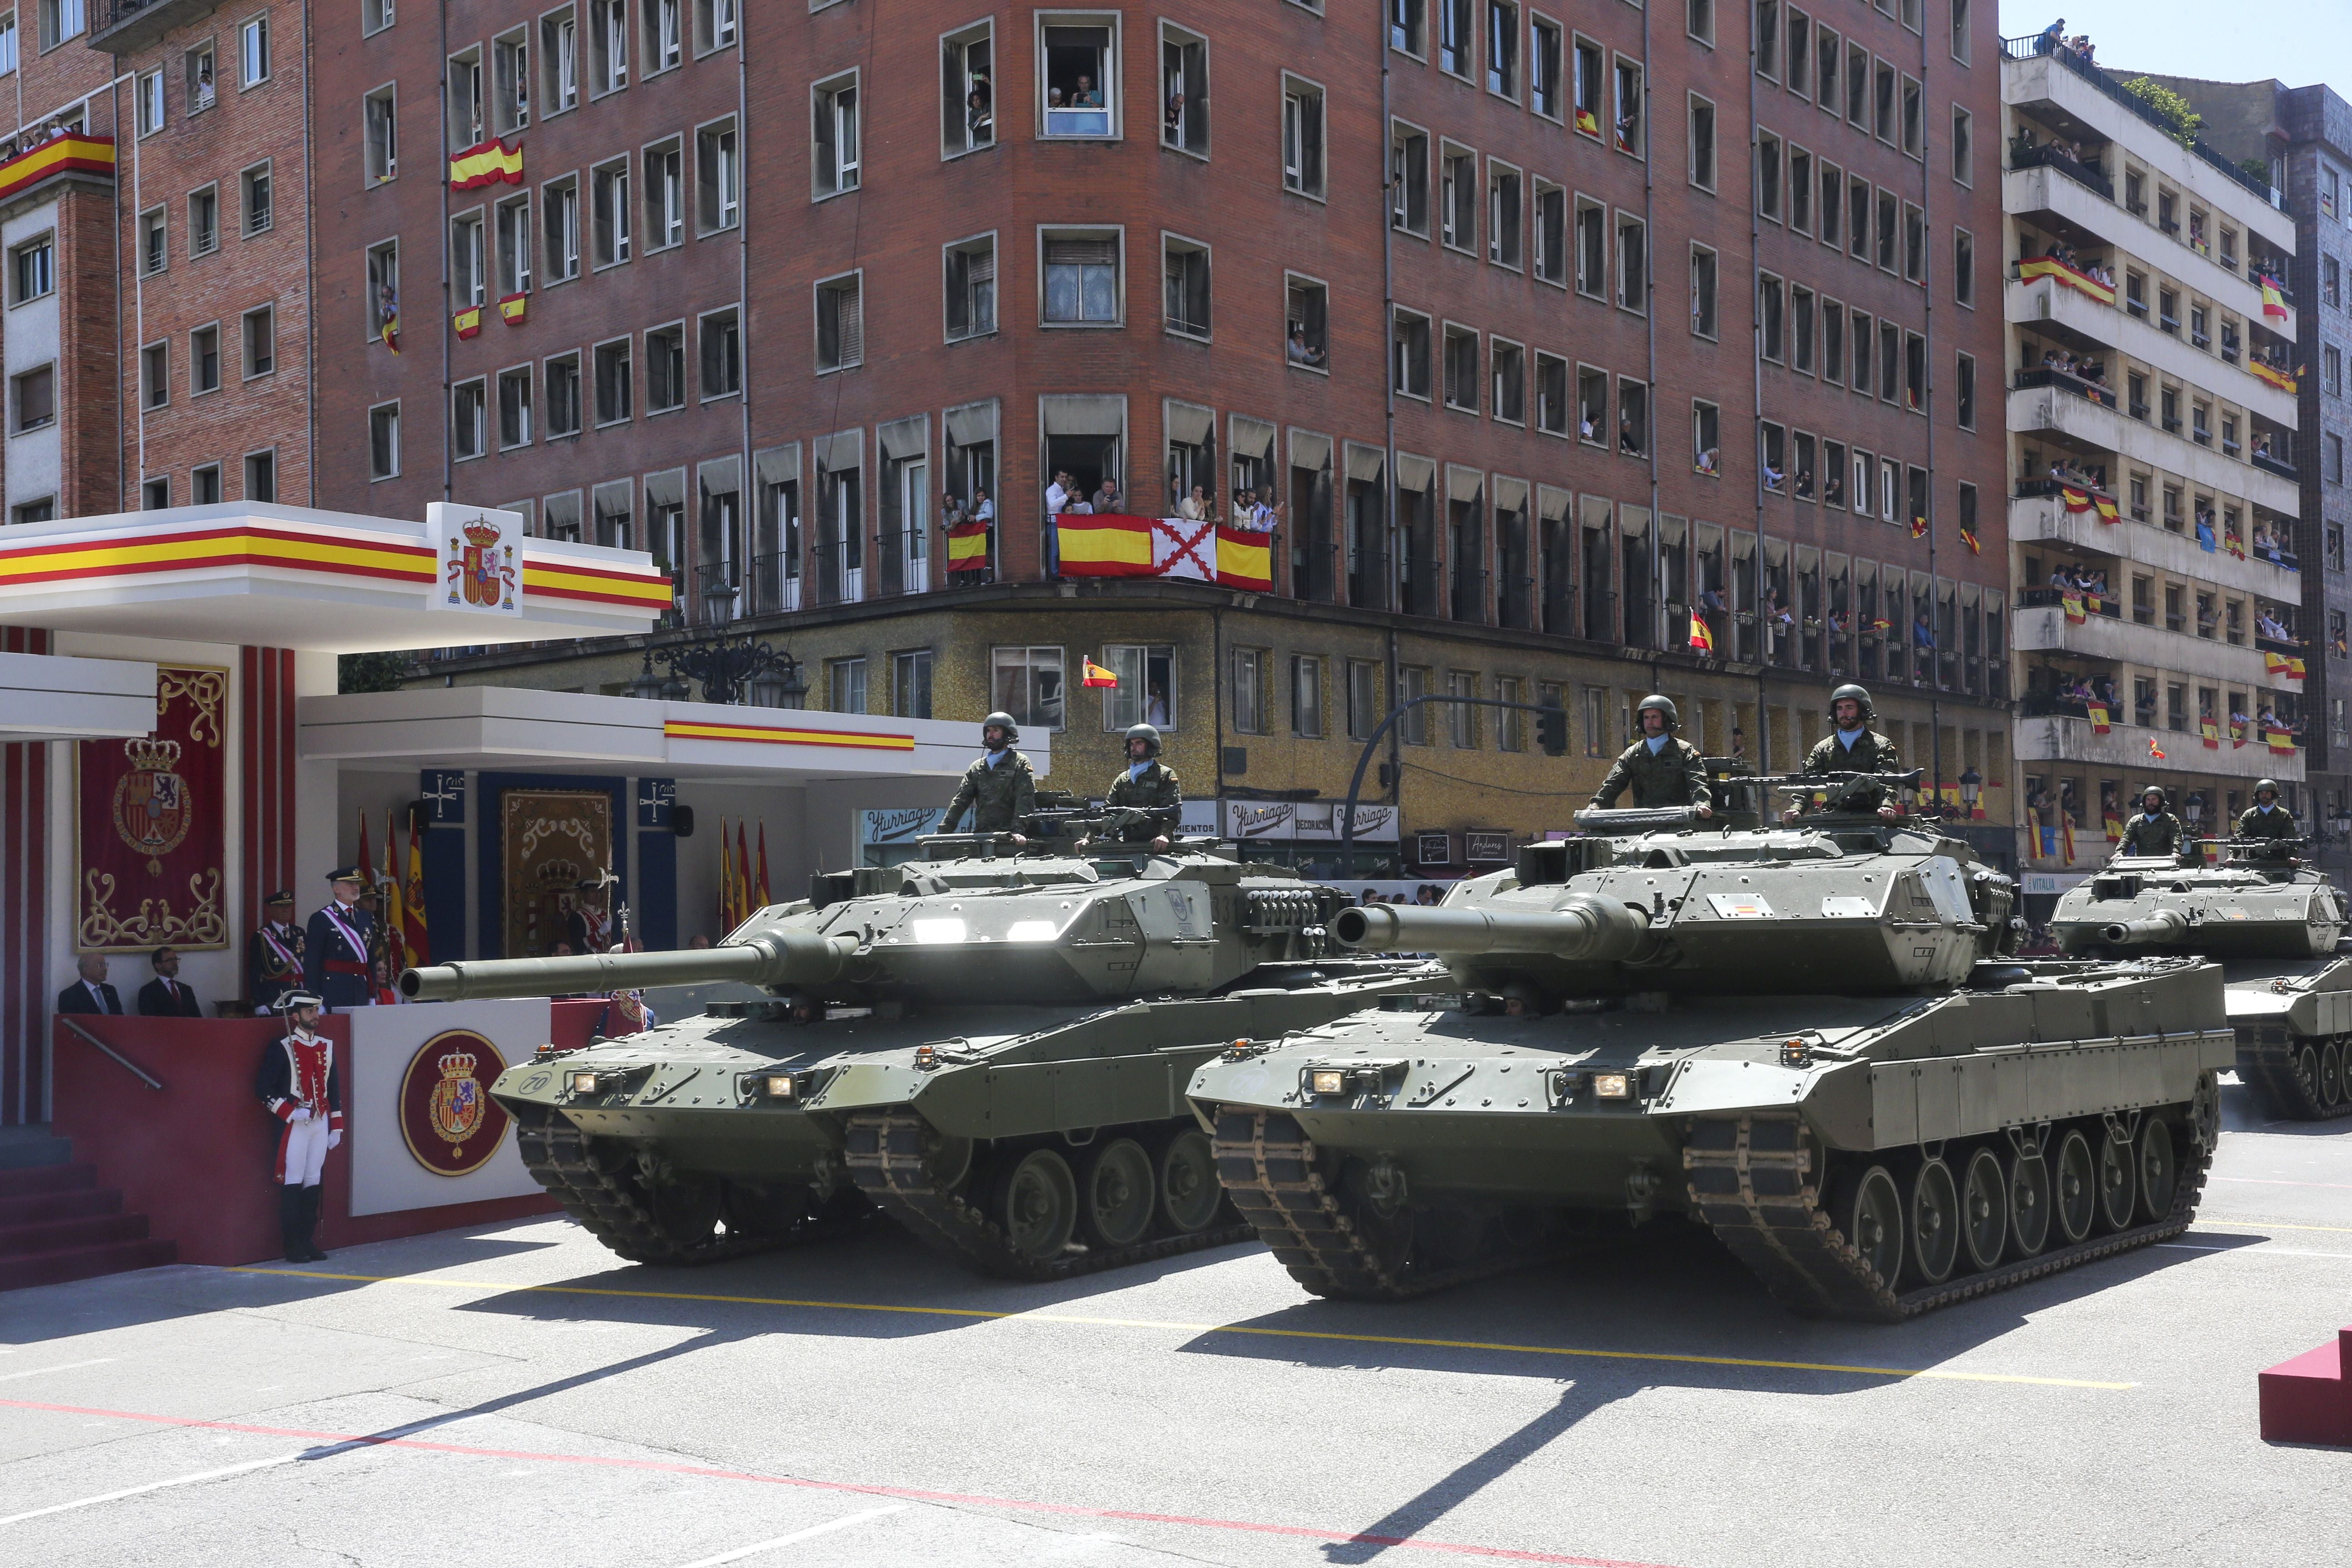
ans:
x=778 y=465
x=47 y=697
x=969 y=424
x=1365 y=464
x=1308 y=450
x=1186 y=424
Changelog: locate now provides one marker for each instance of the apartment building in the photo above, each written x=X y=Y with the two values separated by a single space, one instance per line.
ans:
x=2157 y=519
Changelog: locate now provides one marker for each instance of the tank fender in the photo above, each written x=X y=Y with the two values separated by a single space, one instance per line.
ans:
x=1834 y=1096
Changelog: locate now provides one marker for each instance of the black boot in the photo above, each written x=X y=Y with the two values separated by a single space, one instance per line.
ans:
x=310 y=1196
x=292 y=1205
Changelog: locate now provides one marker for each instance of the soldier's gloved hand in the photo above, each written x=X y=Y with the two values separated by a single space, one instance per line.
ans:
x=334 y=1138
x=301 y=1113
x=1790 y=814
x=1703 y=812
x=1082 y=843
x=1159 y=843
x=1021 y=841
x=1889 y=814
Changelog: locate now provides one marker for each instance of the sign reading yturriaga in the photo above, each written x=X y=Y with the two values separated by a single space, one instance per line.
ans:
x=480 y=551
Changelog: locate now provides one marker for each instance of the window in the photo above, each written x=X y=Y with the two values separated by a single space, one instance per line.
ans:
x=1861 y=341
x=967 y=91
x=1306 y=324
x=1914 y=243
x=1890 y=352
x=1183 y=92
x=1633 y=418
x=714 y=24
x=664 y=369
x=1302 y=137
x=1248 y=686
x=252 y=52
x=1458 y=197
x=1454 y=36
x=1801 y=190
x=1884 y=102
x=1544 y=61
x=261 y=335
x=383 y=287
x=1699 y=19
x=197 y=65
x=1769 y=173
x=384 y=441
x=560 y=214
x=1633 y=264
x=1027 y=684
x=1832 y=342
x=1766 y=37
x=564 y=395
x=468 y=420
x=1079 y=70
x=1964 y=169
x=9 y=48
x=1914 y=120
x=1591 y=249
x=1508 y=367
x=254 y=184
x=154 y=242
x=1631 y=133
x=203 y=360
x=1551 y=234
x=1408 y=354
x=722 y=355
x=1408 y=179
x=1305 y=696
x=462 y=99
x=379 y=114
x=1964 y=267
x=2331 y=369
x=665 y=35
x=664 y=197
x=910 y=684
x=154 y=495
x=467 y=278
x=1461 y=718
x=1889 y=208
x=1706 y=437
x=1462 y=369
x=1412 y=725
x=1827 y=48
x=1184 y=272
x=151 y=103
x=970 y=285
x=1363 y=695
x=1702 y=273
x=718 y=176
x=1857 y=85
x=204 y=485
x=33 y=270
x=514 y=408
x=1914 y=372
x=559 y=62
x=155 y=376
x=1801 y=53
x=608 y=214
x=1771 y=325
x=1510 y=726
x=836 y=140
x=1596 y=721
x=1551 y=395
x=1775 y=458
x=510 y=83
x=1702 y=143
x=1801 y=315
x=1590 y=72
x=613 y=387
x=1960 y=28
x=608 y=47
x=1408 y=27
x=33 y=397
x=1592 y=404
x=846 y=684
x=514 y=247
x=840 y=323
x=1833 y=474
x=1503 y=49
x=1964 y=410
x=1081 y=278
x=1503 y=203
x=1832 y=206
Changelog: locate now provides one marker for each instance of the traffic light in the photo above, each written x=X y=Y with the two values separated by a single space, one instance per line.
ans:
x=1551 y=729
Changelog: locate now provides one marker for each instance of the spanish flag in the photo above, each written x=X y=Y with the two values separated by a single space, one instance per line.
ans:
x=1094 y=674
x=744 y=906
x=2066 y=834
x=390 y=333
x=512 y=308
x=2295 y=670
x=2281 y=744
x=469 y=322
x=490 y=163
x=2099 y=723
x=2212 y=734
x=2274 y=663
x=415 y=934
x=2279 y=379
x=1586 y=123
x=2234 y=545
x=2274 y=302
x=2114 y=825
x=1879 y=623
x=2076 y=500
x=1103 y=544
x=2237 y=735
x=1701 y=638
x=2075 y=611
x=2155 y=752
x=1245 y=559
x=73 y=152
x=760 y=887
x=2107 y=510
x=2050 y=267
x=968 y=547
x=726 y=918
x=1968 y=538
x=1920 y=528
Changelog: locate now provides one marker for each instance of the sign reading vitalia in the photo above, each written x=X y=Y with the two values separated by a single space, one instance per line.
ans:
x=152 y=823
x=480 y=551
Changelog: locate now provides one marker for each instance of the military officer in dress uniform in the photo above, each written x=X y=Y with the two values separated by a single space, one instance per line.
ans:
x=273 y=953
x=1853 y=748
x=337 y=950
x=2152 y=829
x=299 y=1084
x=1146 y=783
x=2266 y=818
x=1660 y=768
x=1000 y=789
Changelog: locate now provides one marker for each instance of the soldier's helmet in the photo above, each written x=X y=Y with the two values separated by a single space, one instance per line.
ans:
x=1869 y=711
x=1147 y=734
x=1665 y=705
x=2155 y=790
x=2261 y=784
x=1000 y=721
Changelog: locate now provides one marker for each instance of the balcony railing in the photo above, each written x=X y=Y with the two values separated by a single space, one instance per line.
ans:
x=2043 y=375
x=2270 y=465
x=2023 y=155
x=126 y=26
x=2051 y=598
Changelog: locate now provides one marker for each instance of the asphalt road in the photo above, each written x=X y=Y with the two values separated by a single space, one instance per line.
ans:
x=517 y=1395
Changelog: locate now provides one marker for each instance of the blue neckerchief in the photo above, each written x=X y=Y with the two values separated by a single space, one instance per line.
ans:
x=1136 y=769
x=1849 y=738
x=1655 y=742
x=993 y=758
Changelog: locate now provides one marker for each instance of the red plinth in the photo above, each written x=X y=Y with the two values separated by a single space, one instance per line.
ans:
x=195 y=1157
x=2309 y=1399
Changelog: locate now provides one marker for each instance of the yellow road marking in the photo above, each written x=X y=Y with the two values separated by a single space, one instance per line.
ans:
x=1254 y=1330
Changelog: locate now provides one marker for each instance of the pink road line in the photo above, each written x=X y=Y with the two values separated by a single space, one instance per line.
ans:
x=910 y=1494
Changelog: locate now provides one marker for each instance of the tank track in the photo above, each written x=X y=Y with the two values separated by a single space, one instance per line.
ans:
x=2266 y=1065
x=1752 y=1180
x=885 y=1153
x=605 y=1196
x=1268 y=1164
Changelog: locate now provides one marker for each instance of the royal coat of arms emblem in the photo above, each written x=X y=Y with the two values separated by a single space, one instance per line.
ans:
x=457 y=1103
x=447 y=1116
x=151 y=809
x=481 y=574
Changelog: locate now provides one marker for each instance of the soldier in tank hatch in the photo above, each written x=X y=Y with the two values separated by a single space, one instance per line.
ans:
x=1146 y=783
x=2152 y=829
x=1000 y=788
x=1853 y=747
x=1660 y=768
x=2266 y=818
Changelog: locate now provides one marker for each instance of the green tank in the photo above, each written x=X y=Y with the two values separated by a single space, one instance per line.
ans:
x=1807 y=1038
x=989 y=1047
x=2277 y=929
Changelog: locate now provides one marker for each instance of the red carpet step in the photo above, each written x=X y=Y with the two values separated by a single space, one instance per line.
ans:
x=58 y=1224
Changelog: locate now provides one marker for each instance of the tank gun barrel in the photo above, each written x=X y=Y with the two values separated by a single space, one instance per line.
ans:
x=778 y=957
x=2163 y=925
x=1582 y=929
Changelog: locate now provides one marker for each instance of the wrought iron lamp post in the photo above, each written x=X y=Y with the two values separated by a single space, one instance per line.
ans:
x=723 y=667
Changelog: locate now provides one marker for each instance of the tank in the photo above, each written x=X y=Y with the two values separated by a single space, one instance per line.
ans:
x=2277 y=929
x=987 y=1047
x=1808 y=1037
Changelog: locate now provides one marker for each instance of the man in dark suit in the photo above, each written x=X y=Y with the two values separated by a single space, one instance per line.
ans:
x=166 y=996
x=336 y=948
x=91 y=994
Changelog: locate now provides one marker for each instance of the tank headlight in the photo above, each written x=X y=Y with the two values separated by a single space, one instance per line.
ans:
x=1327 y=1080
x=777 y=1085
x=1612 y=1086
x=584 y=1083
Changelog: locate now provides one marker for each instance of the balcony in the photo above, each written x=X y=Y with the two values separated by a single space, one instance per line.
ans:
x=2023 y=154
x=121 y=27
x=2065 y=738
x=2058 y=204
x=72 y=156
x=2270 y=465
x=2044 y=519
x=2068 y=312
x=2044 y=627
x=2094 y=427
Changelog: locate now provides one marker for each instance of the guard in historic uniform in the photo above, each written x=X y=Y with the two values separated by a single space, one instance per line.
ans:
x=2152 y=830
x=339 y=948
x=273 y=953
x=1660 y=768
x=1853 y=747
x=2266 y=818
x=1146 y=783
x=1000 y=789
x=300 y=1084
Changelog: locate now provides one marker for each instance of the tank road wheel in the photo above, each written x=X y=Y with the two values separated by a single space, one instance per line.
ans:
x=2331 y=1075
x=1934 y=1222
x=2307 y=1074
x=1373 y=1200
x=1984 y=1210
x=2028 y=1187
x=1037 y=1205
x=2078 y=1187
x=2114 y=1181
x=1188 y=1186
x=686 y=1209
x=2159 y=1169
x=1869 y=1210
x=1117 y=1195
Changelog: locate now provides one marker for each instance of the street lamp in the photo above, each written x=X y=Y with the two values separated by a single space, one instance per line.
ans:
x=1971 y=786
x=2194 y=808
x=723 y=666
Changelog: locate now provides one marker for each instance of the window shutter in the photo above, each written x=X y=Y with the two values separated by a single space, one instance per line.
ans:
x=1081 y=253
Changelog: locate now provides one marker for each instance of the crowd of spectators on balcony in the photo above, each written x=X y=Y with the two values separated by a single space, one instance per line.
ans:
x=2064 y=470
x=2089 y=371
x=2066 y=255
x=2025 y=153
x=34 y=136
x=2081 y=580
x=2055 y=41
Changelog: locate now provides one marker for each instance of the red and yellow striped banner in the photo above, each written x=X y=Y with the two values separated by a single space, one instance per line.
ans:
x=469 y=322
x=1245 y=559
x=968 y=547
x=2273 y=300
x=513 y=307
x=1104 y=544
x=70 y=155
x=777 y=735
x=2281 y=744
x=2057 y=271
x=2076 y=500
x=2106 y=508
x=555 y=579
x=2277 y=378
x=489 y=163
x=199 y=548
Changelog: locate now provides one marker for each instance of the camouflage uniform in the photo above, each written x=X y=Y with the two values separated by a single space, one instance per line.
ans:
x=1873 y=753
x=2158 y=834
x=1155 y=786
x=1672 y=776
x=2276 y=823
x=1000 y=798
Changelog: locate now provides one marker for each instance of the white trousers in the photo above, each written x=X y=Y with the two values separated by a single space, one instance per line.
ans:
x=305 y=1151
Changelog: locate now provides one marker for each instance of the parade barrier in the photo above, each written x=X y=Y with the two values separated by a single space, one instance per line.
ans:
x=2309 y=1399
x=165 y=1110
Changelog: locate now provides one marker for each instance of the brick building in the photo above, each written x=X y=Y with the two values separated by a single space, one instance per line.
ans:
x=1550 y=334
